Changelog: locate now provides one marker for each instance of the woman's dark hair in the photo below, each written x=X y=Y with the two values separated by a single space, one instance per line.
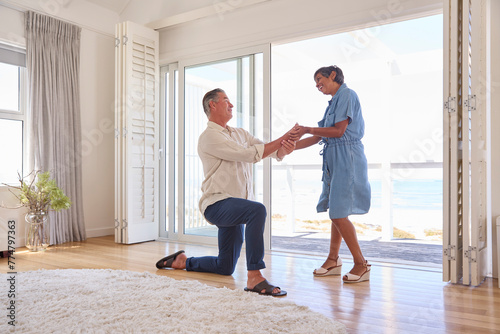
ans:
x=326 y=71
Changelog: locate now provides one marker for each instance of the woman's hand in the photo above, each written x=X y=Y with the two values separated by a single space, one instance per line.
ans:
x=297 y=132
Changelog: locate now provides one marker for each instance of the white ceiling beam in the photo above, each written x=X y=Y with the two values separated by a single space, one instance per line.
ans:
x=218 y=8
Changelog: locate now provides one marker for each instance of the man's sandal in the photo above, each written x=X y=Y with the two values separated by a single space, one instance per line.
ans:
x=268 y=289
x=167 y=261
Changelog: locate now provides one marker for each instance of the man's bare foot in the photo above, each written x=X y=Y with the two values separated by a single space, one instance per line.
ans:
x=180 y=261
x=254 y=278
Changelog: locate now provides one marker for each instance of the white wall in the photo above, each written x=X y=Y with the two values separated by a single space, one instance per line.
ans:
x=97 y=105
x=83 y=13
x=11 y=26
x=97 y=114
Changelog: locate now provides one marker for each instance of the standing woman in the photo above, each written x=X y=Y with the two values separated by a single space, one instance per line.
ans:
x=346 y=189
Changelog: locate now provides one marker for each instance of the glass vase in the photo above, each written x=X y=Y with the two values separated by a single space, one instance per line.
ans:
x=37 y=231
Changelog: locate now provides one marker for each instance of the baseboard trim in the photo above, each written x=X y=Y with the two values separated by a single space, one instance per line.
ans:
x=100 y=232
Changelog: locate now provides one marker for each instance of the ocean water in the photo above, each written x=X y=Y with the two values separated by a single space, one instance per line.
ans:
x=417 y=204
x=407 y=193
x=411 y=194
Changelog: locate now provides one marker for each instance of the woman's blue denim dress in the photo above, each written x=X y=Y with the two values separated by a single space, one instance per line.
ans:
x=346 y=189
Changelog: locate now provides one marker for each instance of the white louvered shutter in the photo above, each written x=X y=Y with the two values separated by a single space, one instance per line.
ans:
x=476 y=103
x=466 y=142
x=137 y=136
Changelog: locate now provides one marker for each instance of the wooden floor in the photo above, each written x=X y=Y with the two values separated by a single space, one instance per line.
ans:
x=397 y=299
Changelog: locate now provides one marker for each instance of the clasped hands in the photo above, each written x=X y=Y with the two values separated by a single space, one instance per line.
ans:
x=288 y=143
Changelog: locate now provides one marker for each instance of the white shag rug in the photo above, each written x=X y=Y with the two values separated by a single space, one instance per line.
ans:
x=116 y=301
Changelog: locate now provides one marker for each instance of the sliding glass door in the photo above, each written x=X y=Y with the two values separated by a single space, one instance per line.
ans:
x=241 y=76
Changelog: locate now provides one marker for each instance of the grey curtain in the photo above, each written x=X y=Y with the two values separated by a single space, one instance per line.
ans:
x=53 y=63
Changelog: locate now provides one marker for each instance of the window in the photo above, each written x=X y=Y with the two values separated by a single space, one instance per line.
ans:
x=241 y=75
x=239 y=78
x=12 y=112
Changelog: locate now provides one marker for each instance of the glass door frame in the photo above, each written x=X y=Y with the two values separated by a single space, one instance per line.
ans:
x=168 y=107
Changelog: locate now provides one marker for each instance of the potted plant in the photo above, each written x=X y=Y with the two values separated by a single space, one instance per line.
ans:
x=39 y=195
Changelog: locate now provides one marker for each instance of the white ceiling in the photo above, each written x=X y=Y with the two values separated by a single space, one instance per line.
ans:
x=162 y=13
x=167 y=7
x=117 y=6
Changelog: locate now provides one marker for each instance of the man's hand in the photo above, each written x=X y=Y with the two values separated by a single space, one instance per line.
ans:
x=287 y=147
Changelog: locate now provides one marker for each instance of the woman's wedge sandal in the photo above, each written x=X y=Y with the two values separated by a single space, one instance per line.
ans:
x=335 y=270
x=351 y=278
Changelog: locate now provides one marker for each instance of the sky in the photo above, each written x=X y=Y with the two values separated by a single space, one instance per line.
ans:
x=395 y=69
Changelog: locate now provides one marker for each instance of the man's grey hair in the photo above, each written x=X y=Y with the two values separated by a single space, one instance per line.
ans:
x=212 y=95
